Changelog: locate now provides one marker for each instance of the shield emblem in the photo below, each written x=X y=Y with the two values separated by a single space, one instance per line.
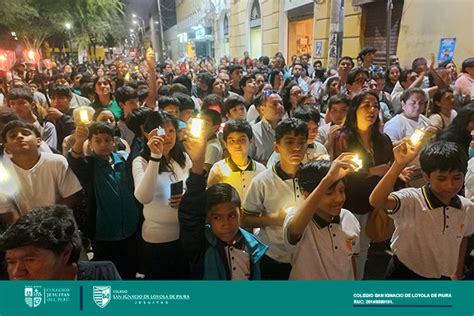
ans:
x=36 y=301
x=102 y=295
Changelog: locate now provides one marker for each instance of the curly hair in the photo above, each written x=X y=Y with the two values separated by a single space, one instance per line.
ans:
x=48 y=227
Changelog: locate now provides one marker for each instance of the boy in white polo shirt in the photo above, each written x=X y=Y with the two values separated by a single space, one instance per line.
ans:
x=321 y=231
x=272 y=192
x=432 y=222
x=238 y=169
x=41 y=178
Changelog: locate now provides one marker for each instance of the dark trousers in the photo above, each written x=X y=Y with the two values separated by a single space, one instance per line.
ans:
x=123 y=253
x=274 y=270
x=165 y=261
x=396 y=270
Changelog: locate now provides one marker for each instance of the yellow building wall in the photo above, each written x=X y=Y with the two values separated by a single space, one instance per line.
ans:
x=421 y=31
x=353 y=38
x=270 y=27
x=238 y=28
x=321 y=29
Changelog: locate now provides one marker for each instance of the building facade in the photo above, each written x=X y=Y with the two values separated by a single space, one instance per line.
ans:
x=329 y=29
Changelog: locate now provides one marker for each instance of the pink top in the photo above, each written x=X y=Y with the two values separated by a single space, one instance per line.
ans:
x=465 y=84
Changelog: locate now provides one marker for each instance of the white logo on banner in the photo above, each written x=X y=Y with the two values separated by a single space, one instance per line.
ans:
x=102 y=295
x=33 y=296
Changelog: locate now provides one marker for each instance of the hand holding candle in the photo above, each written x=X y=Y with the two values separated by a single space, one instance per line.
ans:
x=197 y=125
x=417 y=136
x=357 y=163
x=83 y=115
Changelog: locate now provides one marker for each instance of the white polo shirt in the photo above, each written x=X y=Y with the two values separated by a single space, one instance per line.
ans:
x=323 y=133
x=46 y=183
x=428 y=233
x=325 y=250
x=227 y=171
x=469 y=182
x=315 y=151
x=214 y=151
x=269 y=191
x=261 y=147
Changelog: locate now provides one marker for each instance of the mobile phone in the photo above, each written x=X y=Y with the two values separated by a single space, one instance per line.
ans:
x=176 y=188
x=160 y=131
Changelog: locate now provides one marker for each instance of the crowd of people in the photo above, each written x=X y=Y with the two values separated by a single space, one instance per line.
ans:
x=245 y=169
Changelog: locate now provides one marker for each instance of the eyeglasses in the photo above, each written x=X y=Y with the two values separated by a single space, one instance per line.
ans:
x=362 y=81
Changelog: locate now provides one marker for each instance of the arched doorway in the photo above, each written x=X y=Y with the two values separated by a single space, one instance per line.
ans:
x=255 y=24
x=226 y=35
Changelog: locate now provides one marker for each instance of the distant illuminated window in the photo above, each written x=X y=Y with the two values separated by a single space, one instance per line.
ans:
x=226 y=25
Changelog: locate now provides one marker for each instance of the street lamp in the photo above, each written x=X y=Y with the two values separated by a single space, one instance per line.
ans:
x=141 y=27
x=68 y=27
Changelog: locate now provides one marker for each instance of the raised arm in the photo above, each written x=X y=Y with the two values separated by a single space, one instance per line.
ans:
x=145 y=174
x=151 y=99
x=340 y=167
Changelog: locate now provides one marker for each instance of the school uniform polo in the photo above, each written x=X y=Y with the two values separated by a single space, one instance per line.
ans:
x=214 y=151
x=469 y=180
x=263 y=139
x=227 y=171
x=270 y=191
x=238 y=259
x=325 y=249
x=427 y=232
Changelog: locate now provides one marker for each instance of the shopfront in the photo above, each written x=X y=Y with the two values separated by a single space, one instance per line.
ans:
x=300 y=15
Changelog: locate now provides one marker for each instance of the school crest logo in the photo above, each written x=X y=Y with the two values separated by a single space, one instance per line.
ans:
x=102 y=295
x=33 y=296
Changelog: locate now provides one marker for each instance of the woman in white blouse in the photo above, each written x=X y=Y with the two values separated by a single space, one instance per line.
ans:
x=162 y=163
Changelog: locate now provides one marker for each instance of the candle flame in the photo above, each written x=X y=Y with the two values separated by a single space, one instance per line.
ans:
x=357 y=162
x=417 y=136
x=31 y=55
x=196 y=127
x=84 y=116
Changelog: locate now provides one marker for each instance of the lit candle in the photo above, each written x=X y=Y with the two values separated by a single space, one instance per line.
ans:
x=84 y=116
x=196 y=127
x=357 y=163
x=31 y=55
x=417 y=136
